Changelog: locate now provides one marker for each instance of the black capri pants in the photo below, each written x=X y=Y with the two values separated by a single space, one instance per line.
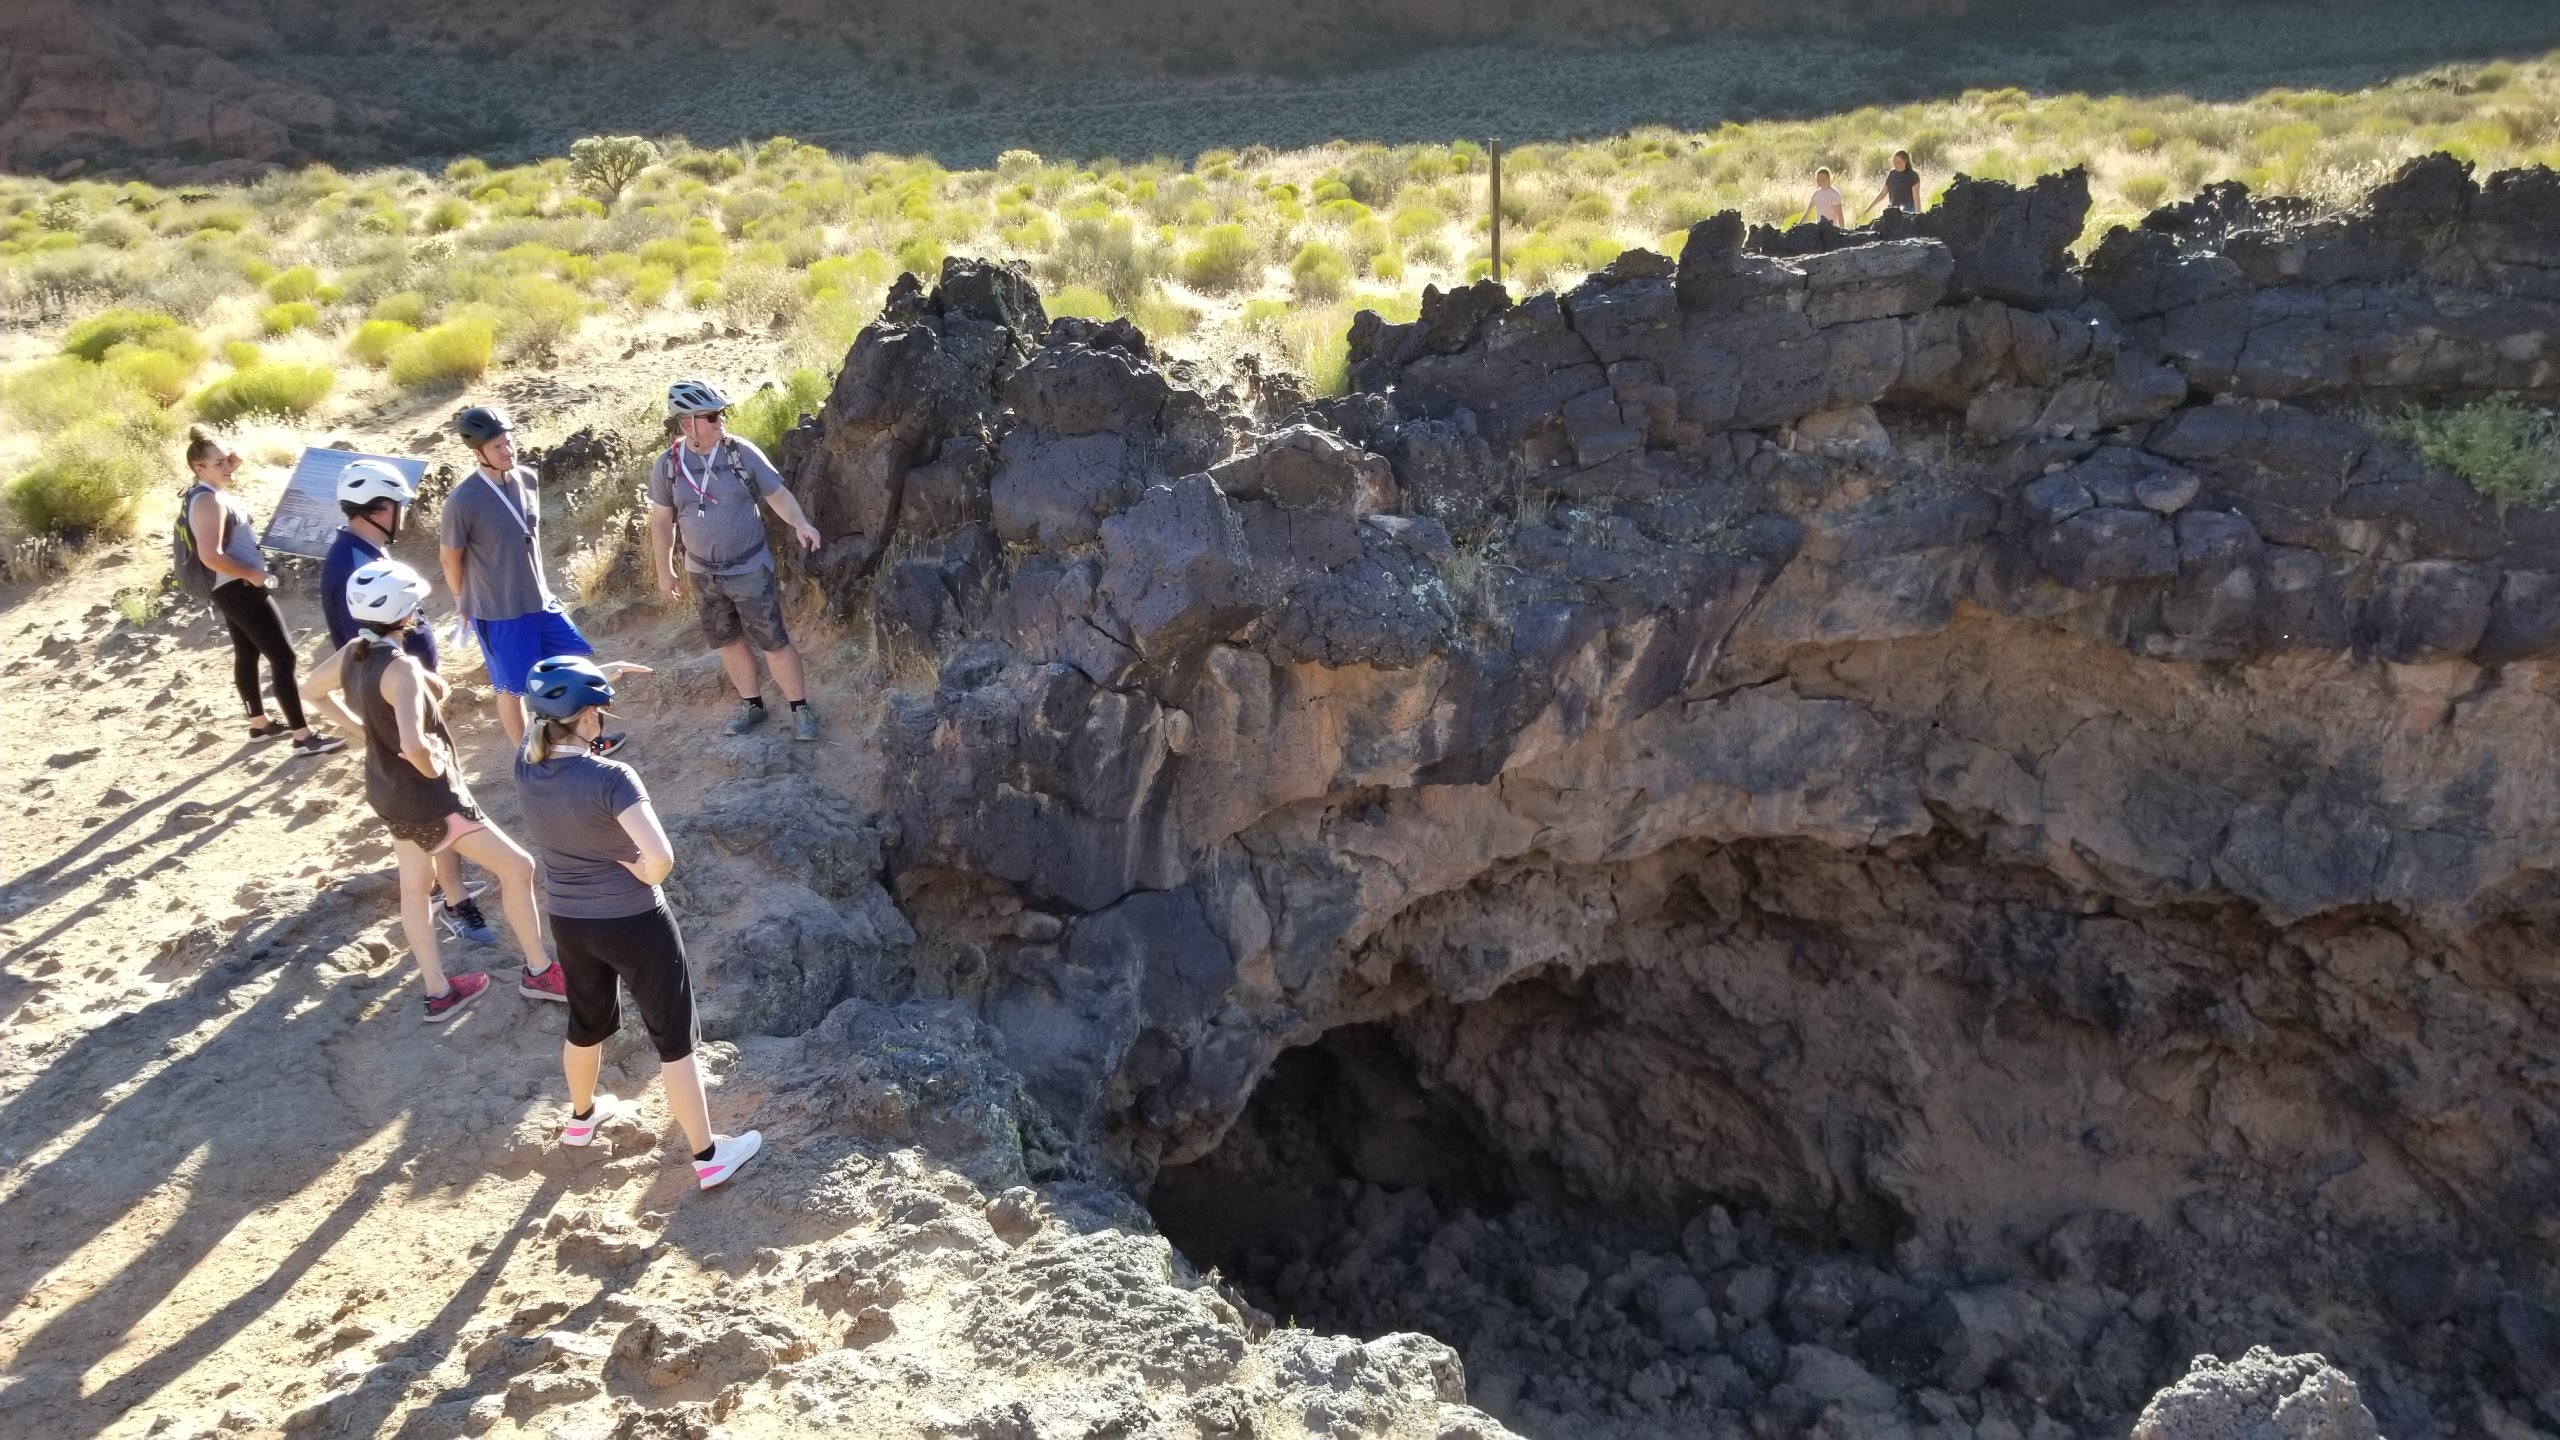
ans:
x=646 y=953
x=257 y=628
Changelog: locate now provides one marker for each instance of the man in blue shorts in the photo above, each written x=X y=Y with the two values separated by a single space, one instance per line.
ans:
x=492 y=554
x=376 y=498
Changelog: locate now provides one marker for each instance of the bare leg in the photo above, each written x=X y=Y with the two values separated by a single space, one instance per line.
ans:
x=449 y=876
x=739 y=660
x=511 y=715
x=684 y=1097
x=583 y=1063
x=415 y=920
x=491 y=850
x=785 y=665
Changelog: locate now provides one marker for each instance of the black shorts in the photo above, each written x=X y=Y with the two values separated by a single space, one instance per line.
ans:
x=646 y=953
x=747 y=606
x=433 y=835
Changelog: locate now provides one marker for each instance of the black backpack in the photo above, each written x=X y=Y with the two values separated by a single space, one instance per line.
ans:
x=192 y=574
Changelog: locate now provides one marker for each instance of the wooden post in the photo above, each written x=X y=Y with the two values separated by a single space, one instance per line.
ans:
x=1494 y=150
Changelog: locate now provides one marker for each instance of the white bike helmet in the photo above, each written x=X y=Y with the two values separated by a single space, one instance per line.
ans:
x=694 y=397
x=365 y=483
x=385 y=592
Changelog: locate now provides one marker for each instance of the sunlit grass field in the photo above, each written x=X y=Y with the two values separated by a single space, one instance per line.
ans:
x=286 y=297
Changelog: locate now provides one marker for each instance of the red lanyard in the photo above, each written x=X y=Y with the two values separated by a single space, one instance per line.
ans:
x=701 y=490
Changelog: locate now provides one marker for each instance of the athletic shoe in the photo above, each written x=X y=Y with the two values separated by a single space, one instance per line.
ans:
x=316 y=743
x=804 y=724
x=602 y=1111
x=749 y=716
x=547 y=984
x=729 y=1155
x=460 y=990
x=465 y=922
x=607 y=744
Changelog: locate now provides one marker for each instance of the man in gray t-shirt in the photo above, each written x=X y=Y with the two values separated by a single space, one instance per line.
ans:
x=707 y=488
x=490 y=546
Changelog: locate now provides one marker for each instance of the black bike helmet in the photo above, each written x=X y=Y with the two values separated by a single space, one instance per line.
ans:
x=560 y=687
x=480 y=424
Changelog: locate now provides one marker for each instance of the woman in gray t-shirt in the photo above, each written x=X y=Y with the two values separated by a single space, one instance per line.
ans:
x=603 y=853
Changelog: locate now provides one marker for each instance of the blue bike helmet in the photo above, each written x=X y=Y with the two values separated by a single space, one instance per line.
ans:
x=560 y=687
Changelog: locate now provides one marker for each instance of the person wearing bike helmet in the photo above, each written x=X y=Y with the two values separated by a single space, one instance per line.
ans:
x=224 y=538
x=603 y=856
x=491 y=550
x=705 y=489
x=376 y=498
x=414 y=782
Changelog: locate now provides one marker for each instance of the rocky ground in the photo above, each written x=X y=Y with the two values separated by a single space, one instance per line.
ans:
x=1843 y=835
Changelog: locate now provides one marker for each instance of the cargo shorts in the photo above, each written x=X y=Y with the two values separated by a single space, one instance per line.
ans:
x=748 y=605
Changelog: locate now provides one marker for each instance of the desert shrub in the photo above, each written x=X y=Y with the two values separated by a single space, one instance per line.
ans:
x=1224 y=260
x=1160 y=316
x=1104 y=253
x=650 y=285
x=406 y=307
x=291 y=316
x=53 y=395
x=90 y=479
x=300 y=282
x=2144 y=189
x=922 y=255
x=449 y=354
x=2508 y=451
x=537 y=313
x=1082 y=300
x=241 y=354
x=1319 y=272
x=771 y=411
x=602 y=165
x=272 y=388
x=92 y=338
x=161 y=374
x=374 y=341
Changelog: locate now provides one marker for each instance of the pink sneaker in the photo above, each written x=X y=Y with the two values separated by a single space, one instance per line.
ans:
x=729 y=1155
x=545 y=984
x=602 y=1111
x=460 y=990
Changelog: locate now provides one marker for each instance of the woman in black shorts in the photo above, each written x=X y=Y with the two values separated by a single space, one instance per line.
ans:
x=415 y=785
x=603 y=854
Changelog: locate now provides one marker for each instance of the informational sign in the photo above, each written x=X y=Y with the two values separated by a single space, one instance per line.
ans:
x=308 y=517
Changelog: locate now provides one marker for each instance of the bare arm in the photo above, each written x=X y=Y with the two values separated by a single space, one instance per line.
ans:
x=657 y=857
x=408 y=705
x=662 y=549
x=786 y=505
x=451 y=559
x=320 y=690
x=204 y=522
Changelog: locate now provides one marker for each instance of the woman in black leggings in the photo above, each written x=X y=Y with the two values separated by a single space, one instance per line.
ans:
x=226 y=540
x=603 y=854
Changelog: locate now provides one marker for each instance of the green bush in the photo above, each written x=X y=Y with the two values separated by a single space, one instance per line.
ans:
x=92 y=338
x=2508 y=452
x=450 y=354
x=90 y=479
x=52 y=396
x=408 y=307
x=291 y=316
x=274 y=388
x=1222 y=262
x=1082 y=300
x=374 y=341
x=299 y=283
x=158 y=373
x=448 y=214
x=241 y=354
x=922 y=255
x=1319 y=272
x=768 y=414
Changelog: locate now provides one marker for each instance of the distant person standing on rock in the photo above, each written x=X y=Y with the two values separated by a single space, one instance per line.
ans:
x=1901 y=186
x=375 y=498
x=223 y=538
x=705 y=488
x=603 y=855
x=492 y=555
x=414 y=782
x=1826 y=203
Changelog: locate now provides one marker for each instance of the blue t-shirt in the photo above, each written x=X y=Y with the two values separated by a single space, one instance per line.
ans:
x=349 y=553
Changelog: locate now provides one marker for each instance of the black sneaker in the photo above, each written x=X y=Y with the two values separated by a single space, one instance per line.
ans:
x=316 y=743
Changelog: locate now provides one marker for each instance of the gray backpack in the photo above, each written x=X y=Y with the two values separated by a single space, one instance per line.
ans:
x=192 y=574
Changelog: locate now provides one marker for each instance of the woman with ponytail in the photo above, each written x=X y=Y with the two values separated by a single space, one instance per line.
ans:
x=603 y=854
x=225 y=540
x=414 y=782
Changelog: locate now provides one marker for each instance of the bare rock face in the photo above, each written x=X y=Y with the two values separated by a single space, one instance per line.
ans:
x=1761 y=671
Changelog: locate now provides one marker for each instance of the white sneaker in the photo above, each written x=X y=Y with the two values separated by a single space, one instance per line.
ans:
x=606 y=1110
x=729 y=1155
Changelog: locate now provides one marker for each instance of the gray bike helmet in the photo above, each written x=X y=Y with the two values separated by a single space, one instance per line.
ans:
x=563 y=685
x=694 y=397
x=481 y=424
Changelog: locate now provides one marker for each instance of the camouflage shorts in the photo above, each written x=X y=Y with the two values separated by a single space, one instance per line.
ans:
x=749 y=605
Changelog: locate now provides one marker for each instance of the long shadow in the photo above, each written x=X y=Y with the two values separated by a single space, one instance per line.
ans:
x=50 y=870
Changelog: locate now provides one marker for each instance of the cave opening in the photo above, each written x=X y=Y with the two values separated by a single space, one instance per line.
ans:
x=1781 y=1138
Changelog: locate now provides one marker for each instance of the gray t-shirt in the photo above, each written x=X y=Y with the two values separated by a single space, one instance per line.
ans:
x=496 y=525
x=571 y=804
x=239 y=533
x=716 y=513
